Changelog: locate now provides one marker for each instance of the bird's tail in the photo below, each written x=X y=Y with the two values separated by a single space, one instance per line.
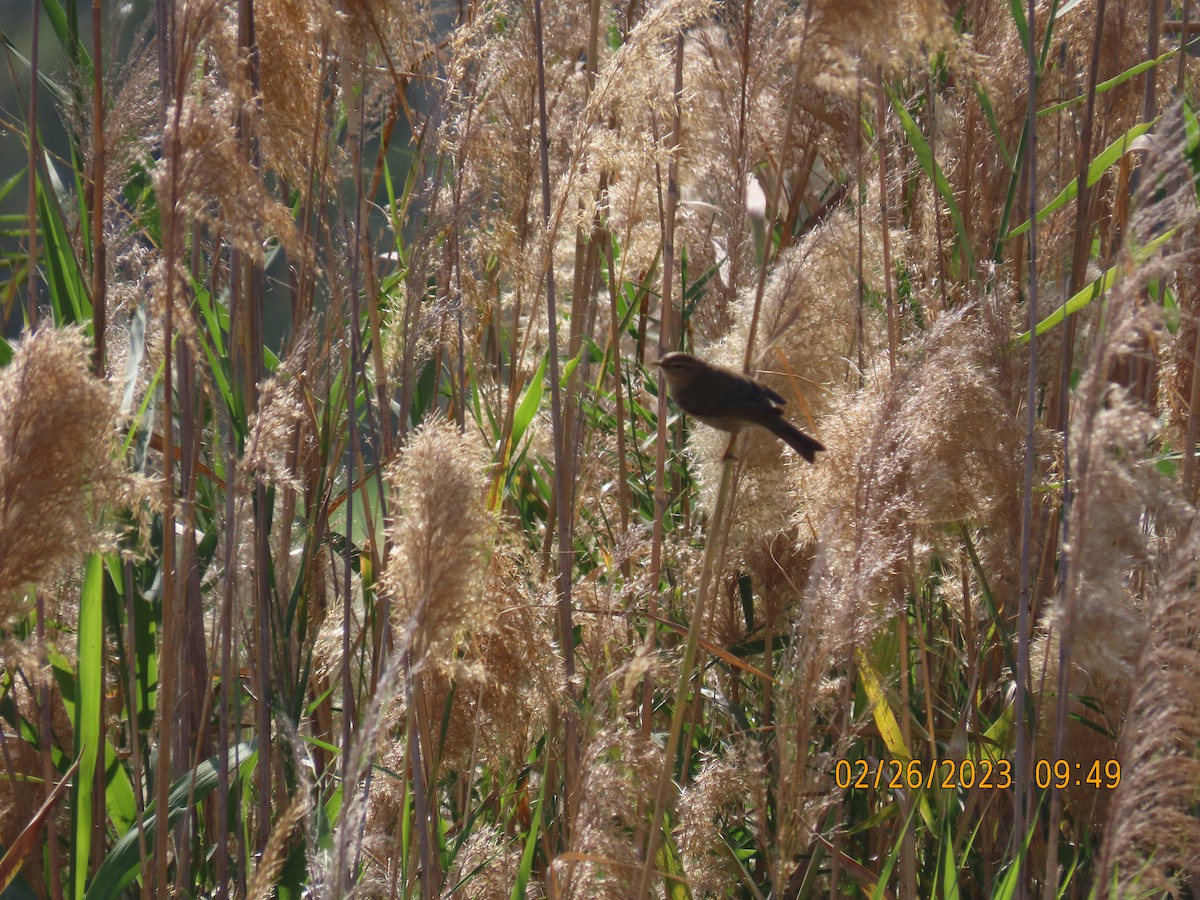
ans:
x=800 y=442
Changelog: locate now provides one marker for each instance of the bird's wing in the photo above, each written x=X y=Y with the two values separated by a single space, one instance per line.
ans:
x=701 y=403
x=769 y=394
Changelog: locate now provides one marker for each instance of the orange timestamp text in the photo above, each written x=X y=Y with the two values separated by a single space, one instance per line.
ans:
x=1061 y=773
x=950 y=774
x=914 y=774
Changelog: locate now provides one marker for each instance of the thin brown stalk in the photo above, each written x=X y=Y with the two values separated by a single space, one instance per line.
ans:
x=561 y=487
x=908 y=860
x=663 y=792
x=168 y=687
x=1150 y=101
x=135 y=738
x=31 y=223
x=191 y=736
x=861 y=180
x=1059 y=404
x=618 y=395
x=99 y=250
x=1022 y=796
x=229 y=711
x=1060 y=419
x=931 y=129
x=417 y=736
x=1185 y=41
x=31 y=315
x=924 y=663
x=253 y=375
x=885 y=231
x=1193 y=419
x=666 y=343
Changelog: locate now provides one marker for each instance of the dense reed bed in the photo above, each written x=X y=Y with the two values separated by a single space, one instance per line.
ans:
x=349 y=545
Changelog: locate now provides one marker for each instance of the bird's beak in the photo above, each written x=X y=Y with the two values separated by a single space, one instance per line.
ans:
x=658 y=363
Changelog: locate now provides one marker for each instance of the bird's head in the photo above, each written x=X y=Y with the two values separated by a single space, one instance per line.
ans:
x=681 y=368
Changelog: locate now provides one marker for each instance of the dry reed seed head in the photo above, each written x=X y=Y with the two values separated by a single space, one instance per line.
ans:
x=327 y=648
x=503 y=679
x=1112 y=547
x=1096 y=712
x=442 y=537
x=629 y=82
x=57 y=438
x=625 y=122
x=809 y=318
x=1179 y=354
x=965 y=144
x=131 y=124
x=619 y=763
x=1179 y=347
x=848 y=36
x=289 y=36
x=936 y=444
x=211 y=178
x=778 y=568
x=131 y=282
x=414 y=320
x=391 y=42
x=274 y=855
x=605 y=130
x=131 y=116
x=486 y=866
x=1122 y=46
x=493 y=131
x=732 y=120
x=272 y=430
x=1112 y=465
x=726 y=793
x=612 y=659
x=632 y=217
x=1150 y=844
x=1001 y=66
x=955 y=433
x=808 y=701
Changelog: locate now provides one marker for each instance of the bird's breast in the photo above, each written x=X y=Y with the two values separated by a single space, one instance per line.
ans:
x=722 y=423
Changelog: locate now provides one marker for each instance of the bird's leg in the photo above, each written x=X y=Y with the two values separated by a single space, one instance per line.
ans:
x=729 y=450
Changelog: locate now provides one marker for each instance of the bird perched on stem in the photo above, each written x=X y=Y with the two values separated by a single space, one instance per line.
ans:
x=729 y=401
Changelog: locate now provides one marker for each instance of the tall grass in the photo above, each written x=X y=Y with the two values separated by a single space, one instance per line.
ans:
x=350 y=546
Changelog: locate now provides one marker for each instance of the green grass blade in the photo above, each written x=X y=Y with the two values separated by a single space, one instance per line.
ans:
x=535 y=828
x=934 y=173
x=1096 y=288
x=64 y=278
x=528 y=407
x=893 y=857
x=1098 y=166
x=1115 y=81
x=87 y=715
x=985 y=103
x=122 y=864
x=1022 y=23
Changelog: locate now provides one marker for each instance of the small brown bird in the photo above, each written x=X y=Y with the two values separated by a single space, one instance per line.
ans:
x=729 y=401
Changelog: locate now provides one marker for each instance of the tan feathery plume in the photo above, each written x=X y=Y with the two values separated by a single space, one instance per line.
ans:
x=441 y=537
x=1153 y=832
x=274 y=854
x=56 y=429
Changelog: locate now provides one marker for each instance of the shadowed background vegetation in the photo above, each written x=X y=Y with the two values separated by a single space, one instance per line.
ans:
x=349 y=545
